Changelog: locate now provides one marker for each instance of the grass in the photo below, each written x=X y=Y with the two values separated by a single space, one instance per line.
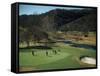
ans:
x=67 y=58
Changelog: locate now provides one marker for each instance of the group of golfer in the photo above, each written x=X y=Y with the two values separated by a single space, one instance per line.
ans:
x=47 y=52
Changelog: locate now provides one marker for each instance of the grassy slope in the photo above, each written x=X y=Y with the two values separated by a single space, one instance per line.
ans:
x=67 y=58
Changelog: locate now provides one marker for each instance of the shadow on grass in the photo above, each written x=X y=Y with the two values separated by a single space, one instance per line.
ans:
x=37 y=47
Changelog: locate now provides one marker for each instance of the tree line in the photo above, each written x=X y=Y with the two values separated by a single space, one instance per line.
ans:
x=36 y=27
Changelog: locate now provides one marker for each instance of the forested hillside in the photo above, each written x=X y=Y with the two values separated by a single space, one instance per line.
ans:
x=43 y=26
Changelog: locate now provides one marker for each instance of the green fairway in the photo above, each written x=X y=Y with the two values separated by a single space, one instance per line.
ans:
x=67 y=57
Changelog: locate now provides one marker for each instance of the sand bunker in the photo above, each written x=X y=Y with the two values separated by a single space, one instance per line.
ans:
x=89 y=60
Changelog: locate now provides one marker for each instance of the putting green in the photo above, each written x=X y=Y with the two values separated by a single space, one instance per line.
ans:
x=27 y=59
x=66 y=58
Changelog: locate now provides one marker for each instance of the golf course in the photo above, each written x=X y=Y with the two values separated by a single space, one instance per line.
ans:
x=57 y=38
x=67 y=57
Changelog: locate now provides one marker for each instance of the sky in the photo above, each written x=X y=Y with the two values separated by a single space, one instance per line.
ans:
x=38 y=9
